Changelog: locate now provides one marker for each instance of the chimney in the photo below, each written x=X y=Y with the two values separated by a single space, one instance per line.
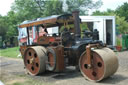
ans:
x=75 y=15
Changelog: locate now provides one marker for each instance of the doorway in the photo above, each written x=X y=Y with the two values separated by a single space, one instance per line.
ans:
x=109 y=32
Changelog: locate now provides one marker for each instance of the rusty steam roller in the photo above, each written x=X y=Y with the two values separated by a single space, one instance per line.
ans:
x=43 y=52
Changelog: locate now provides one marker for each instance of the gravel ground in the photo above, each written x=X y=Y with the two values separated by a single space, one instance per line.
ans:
x=12 y=70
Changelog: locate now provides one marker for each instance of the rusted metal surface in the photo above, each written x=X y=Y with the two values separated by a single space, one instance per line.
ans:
x=49 y=22
x=48 y=40
x=53 y=20
x=34 y=60
x=101 y=65
x=88 y=53
x=60 y=65
x=22 y=49
x=51 y=59
x=76 y=23
x=96 y=71
x=43 y=40
x=110 y=61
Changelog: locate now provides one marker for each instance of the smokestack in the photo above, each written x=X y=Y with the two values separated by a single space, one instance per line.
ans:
x=76 y=23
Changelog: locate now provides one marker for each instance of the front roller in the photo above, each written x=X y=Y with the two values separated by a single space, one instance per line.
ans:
x=35 y=59
x=103 y=63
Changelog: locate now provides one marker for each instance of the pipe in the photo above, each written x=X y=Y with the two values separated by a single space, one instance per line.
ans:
x=76 y=23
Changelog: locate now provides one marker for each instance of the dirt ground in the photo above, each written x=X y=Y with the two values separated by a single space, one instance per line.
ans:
x=12 y=73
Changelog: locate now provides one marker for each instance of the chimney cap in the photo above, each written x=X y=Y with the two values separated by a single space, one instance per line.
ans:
x=76 y=11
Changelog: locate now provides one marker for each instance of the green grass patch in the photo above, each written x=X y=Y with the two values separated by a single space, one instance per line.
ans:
x=10 y=52
x=18 y=83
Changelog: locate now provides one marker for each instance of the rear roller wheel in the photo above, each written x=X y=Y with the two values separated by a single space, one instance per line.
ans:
x=51 y=59
x=104 y=63
x=34 y=60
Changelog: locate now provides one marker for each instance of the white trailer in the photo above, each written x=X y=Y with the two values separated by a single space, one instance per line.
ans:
x=105 y=25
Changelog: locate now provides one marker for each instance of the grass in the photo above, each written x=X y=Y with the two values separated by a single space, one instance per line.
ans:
x=10 y=52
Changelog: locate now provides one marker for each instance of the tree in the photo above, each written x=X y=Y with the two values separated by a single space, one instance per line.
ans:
x=12 y=24
x=108 y=12
x=32 y=9
x=26 y=9
x=3 y=27
x=83 y=5
x=53 y=7
x=123 y=11
x=122 y=24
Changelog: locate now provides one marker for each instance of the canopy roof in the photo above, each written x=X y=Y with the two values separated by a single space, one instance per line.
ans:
x=50 y=21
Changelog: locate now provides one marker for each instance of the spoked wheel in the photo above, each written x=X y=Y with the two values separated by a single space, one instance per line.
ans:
x=34 y=60
x=104 y=63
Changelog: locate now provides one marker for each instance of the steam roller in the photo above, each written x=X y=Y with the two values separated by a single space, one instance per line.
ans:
x=35 y=60
x=97 y=64
x=70 y=46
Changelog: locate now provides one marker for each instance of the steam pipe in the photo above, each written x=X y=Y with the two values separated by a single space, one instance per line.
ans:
x=76 y=23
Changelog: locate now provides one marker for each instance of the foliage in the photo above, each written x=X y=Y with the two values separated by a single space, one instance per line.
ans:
x=26 y=9
x=118 y=41
x=3 y=26
x=53 y=7
x=120 y=21
x=12 y=28
x=122 y=11
x=122 y=24
x=83 y=26
x=10 y=52
x=32 y=9
x=8 y=26
x=108 y=12
x=83 y=5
